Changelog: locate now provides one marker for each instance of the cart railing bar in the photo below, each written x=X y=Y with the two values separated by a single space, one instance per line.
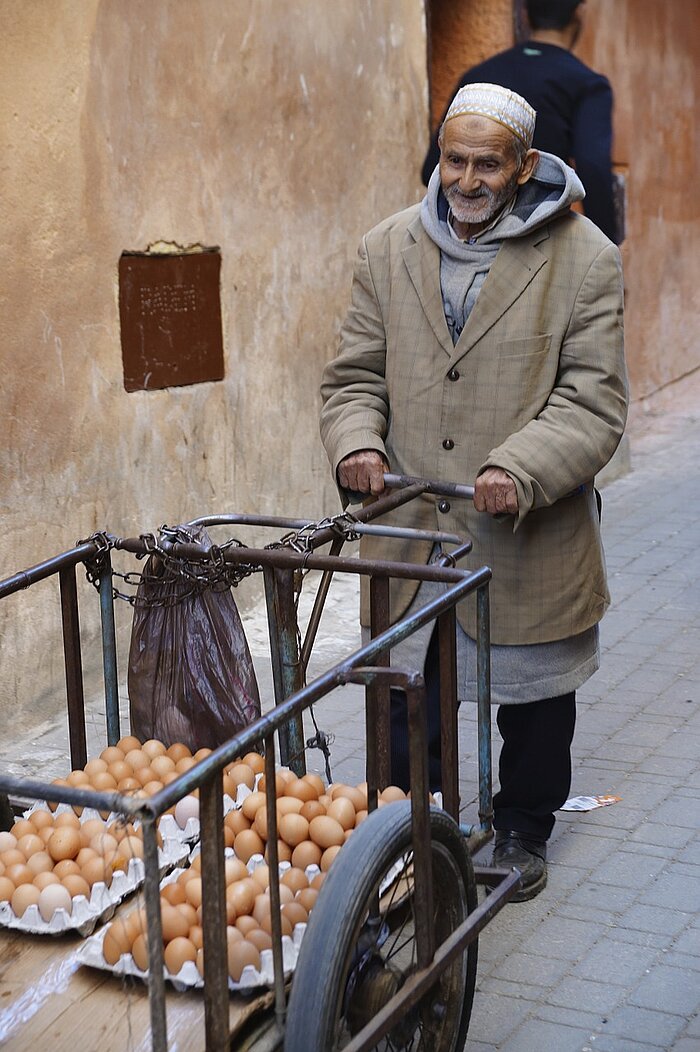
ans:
x=17 y=582
x=439 y=536
x=421 y=981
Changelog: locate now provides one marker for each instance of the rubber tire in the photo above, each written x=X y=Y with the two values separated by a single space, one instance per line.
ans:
x=320 y=976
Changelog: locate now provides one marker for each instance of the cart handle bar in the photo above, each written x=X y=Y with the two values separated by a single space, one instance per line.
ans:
x=445 y=489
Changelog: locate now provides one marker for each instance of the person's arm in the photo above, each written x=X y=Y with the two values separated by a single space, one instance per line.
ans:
x=579 y=428
x=353 y=390
x=591 y=141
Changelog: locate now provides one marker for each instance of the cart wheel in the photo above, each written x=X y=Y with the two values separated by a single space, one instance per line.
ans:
x=351 y=963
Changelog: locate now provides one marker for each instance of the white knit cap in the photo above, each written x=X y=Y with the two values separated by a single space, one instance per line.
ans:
x=498 y=104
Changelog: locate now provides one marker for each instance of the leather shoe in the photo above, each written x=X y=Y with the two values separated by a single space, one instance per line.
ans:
x=519 y=851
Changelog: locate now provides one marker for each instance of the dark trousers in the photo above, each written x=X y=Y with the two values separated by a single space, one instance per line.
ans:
x=534 y=767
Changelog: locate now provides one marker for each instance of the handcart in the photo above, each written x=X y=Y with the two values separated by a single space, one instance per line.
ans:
x=388 y=957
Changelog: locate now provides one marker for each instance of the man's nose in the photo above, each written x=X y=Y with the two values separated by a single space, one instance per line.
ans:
x=469 y=180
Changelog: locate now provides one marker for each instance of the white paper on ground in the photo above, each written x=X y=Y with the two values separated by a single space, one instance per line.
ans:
x=588 y=803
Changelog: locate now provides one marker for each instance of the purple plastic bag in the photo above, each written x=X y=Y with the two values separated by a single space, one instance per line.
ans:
x=191 y=677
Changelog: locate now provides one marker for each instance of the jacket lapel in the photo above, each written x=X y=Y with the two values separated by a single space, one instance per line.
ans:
x=422 y=259
x=512 y=271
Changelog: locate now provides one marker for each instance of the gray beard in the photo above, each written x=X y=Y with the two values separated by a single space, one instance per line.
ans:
x=493 y=202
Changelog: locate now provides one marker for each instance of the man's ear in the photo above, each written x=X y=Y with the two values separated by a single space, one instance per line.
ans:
x=528 y=166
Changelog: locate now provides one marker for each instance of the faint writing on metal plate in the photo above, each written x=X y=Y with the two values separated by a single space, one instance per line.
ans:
x=168 y=299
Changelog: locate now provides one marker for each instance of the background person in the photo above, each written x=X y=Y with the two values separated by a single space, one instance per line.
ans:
x=484 y=341
x=573 y=103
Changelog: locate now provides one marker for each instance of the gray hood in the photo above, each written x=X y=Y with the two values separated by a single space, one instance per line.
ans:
x=552 y=189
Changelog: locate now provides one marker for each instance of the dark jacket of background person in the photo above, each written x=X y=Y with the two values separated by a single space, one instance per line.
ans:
x=574 y=117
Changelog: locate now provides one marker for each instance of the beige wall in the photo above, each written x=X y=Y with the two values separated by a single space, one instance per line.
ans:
x=279 y=131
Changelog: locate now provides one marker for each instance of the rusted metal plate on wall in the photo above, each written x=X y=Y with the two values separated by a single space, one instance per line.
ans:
x=170 y=316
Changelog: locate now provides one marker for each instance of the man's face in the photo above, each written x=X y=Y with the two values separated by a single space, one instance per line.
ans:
x=479 y=170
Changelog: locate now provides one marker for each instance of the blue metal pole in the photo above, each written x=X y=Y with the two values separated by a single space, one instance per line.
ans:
x=483 y=675
x=109 y=650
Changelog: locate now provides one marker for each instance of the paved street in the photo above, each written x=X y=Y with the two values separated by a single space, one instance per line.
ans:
x=607 y=958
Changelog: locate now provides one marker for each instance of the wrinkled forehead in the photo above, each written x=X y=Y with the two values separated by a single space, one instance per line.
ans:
x=475 y=133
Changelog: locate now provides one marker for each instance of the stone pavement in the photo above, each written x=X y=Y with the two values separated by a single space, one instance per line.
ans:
x=607 y=958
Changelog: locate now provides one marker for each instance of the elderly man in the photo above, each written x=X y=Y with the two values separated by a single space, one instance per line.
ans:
x=484 y=342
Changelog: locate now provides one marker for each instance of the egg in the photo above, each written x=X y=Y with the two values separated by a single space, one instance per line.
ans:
x=356 y=797
x=66 y=820
x=176 y=751
x=317 y=881
x=312 y=809
x=281 y=781
x=143 y=775
x=185 y=763
x=85 y=855
x=261 y=876
x=306 y=854
x=392 y=793
x=295 y=913
x=343 y=812
x=247 y=844
x=139 y=951
x=200 y=961
x=41 y=862
x=285 y=924
x=7 y=888
x=40 y=819
x=64 y=843
x=154 y=748
x=43 y=880
x=127 y=743
x=255 y=761
x=120 y=769
x=284 y=852
x=173 y=893
x=193 y=892
x=326 y=832
x=76 y=885
x=19 y=873
x=260 y=822
x=13 y=857
x=104 y=782
x=8 y=841
x=242 y=774
x=22 y=827
x=246 y=923
x=307 y=898
x=177 y=952
x=78 y=780
x=236 y=821
x=161 y=765
x=252 y=803
x=52 y=898
x=316 y=781
x=295 y=879
x=151 y=788
x=104 y=844
x=132 y=846
x=135 y=922
x=360 y=817
x=294 y=828
x=328 y=856
x=96 y=871
x=234 y=870
x=242 y=955
x=23 y=897
x=289 y=805
x=260 y=939
x=241 y=896
x=29 y=844
x=95 y=766
x=136 y=759
x=302 y=789
x=116 y=942
x=111 y=755
x=201 y=754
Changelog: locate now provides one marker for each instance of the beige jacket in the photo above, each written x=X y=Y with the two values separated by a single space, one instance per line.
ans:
x=535 y=385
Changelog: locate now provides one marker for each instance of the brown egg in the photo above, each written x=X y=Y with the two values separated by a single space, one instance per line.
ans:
x=241 y=896
x=173 y=893
x=392 y=793
x=307 y=898
x=200 y=961
x=247 y=844
x=78 y=779
x=177 y=952
x=360 y=817
x=13 y=857
x=316 y=781
x=128 y=784
x=40 y=819
x=234 y=870
x=135 y=922
x=302 y=789
x=286 y=894
x=328 y=856
x=8 y=841
x=295 y=913
x=252 y=803
x=295 y=879
x=93 y=767
x=261 y=876
x=255 y=761
x=196 y=863
x=306 y=854
x=196 y=936
x=241 y=955
x=119 y=769
x=260 y=822
x=111 y=755
x=117 y=941
x=285 y=924
x=202 y=754
x=174 y=922
x=153 y=748
x=132 y=846
x=169 y=776
x=325 y=801
x=139 y=951
x=143 y=775
x=317 y=881
x=23 y=897
x=161 y=765
x=45 y=833
x=242 y=774
x=246 y=923
x=347 y=833
x=75 y=885
x=7 y=889
x=29 y=844
x=19 y=873
x=356 y=797
x=289 y=805
x=41 y=862
x=293 y=829
x=22 y=827
x=284 y=852
x=91 y=828
x=281 y=782
x=312 y=809
x=326 y=832
x=86 y=854
x=97 y=870
x=260 y=939
x=64 y=843
x=177 y=751
x=66 y=867
x=127 y=743
x=193 y=892
x=137 y=759
x=236 y=821
x=342 y=810
x=43 y=880
x=67 y=819
x=104 y=844
x=191 y=914
x=151 y=788
x=185 y=763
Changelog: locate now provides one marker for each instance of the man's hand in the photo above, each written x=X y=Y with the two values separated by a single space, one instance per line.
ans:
x=495 y=492
x=363 y=472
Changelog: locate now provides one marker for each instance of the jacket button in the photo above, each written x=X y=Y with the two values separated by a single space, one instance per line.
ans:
x=444 y=506
x=453 y=375
x=448 y=444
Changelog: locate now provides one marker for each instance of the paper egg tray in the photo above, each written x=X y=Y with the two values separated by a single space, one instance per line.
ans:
x=90 y=953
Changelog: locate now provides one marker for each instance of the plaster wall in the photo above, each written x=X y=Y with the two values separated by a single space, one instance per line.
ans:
x=279 y=132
